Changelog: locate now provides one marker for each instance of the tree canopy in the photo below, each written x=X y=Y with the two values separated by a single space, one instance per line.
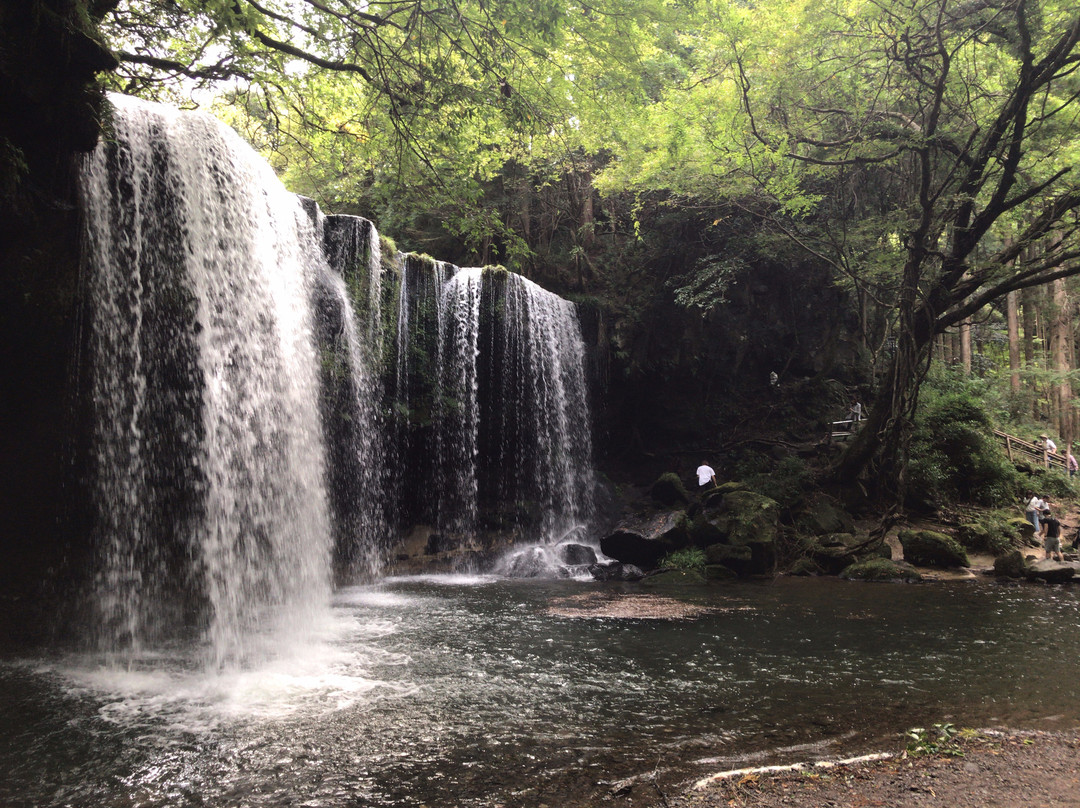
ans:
x=924 y=151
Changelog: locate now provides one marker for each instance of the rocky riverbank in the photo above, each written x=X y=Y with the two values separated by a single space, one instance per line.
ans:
x=986 y=769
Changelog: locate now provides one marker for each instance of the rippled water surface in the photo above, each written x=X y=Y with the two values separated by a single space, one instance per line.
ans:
x=475 y=691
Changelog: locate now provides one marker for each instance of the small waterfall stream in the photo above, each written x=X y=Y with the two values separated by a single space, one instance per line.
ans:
x=275 y=400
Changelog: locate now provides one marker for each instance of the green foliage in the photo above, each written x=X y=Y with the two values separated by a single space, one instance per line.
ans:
x=954 y=455
x=689 y=558
x=941 y=739
x=992 y=532
x=784 y=482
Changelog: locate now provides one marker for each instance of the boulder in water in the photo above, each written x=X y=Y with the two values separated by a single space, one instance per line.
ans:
x=1052 y=572
x=737 y=558
x=673 y=577
x=615 y=571
x=1011 y=565
x=532 y=562
x=574 y=554
x=879 y=569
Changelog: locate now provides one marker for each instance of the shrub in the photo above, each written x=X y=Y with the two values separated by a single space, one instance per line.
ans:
x=954 y=455
x=689 y=558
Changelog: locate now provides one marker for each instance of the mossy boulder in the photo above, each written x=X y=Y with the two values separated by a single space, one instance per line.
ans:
x=994 y=533
x=822 y=515
x=804 y=567
x=878 y=569
x=1023 y=528
x=719 y=572
x=1011 y=565
x=673 y=577
x=738 y=558
x=927 y=548
x=728 y=487
x=973 y=536
x=669 y=491
x=748 y=518
x=836 y=540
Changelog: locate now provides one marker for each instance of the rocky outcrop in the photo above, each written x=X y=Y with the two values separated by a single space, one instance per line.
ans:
x=822 y=515
x=643 y=542
x=926 y=548
x=1052 y=572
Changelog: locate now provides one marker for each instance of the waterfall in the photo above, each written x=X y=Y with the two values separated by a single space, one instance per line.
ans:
x=544 y=384
x=360 y=450
x=274 y=400
x=498 y=365
x=208 y=456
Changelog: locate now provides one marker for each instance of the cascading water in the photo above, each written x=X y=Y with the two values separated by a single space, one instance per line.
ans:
x=459 y=347
x=498 y=364
x=271 y=403
x=359 y=449
x=208 y=454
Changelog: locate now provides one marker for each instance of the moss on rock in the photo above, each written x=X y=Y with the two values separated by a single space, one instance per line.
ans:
x=879 y=569
x=669 y=491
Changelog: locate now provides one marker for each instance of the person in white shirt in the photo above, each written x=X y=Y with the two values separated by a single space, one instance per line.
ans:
x=1034 y=507
x=705 y=475
x=1051 y=447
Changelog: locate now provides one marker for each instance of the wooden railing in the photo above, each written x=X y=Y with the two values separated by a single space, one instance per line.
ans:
x=1035 y=452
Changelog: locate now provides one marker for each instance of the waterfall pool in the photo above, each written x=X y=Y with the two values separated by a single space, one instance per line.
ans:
x=479 y=691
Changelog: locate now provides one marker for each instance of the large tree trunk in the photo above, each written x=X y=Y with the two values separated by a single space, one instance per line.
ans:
x=1059 y=342
x=1013 y=323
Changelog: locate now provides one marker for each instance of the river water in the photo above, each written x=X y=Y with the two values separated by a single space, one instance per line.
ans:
x=477 y=691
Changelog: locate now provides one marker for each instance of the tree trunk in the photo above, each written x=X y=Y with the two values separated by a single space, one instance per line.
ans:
x=1028 y=308
x=965 y=346
x=1059 y=340
x=1013 y=322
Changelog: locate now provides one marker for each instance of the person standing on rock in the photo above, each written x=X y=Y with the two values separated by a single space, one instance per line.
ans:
x=1034 y=507
x=705 y=475
x=1052 y=542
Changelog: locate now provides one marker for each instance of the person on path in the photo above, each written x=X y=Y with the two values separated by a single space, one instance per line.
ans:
x=705 y=475
x=1052 y=541
x=855 y=410
x=1034 y=507
x=1070 y=461
x=1048 y=442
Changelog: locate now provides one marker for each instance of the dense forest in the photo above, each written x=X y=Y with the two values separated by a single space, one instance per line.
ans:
x=845 y=194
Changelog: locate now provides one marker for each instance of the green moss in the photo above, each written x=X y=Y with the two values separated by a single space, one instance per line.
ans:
x=878 y=569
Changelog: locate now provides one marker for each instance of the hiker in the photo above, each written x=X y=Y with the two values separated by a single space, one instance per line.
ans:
x=855 y=410
x=1052 y=541
x=1048 y=444
x=1070 y=462
x=705 y=475
x=1034 y=507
